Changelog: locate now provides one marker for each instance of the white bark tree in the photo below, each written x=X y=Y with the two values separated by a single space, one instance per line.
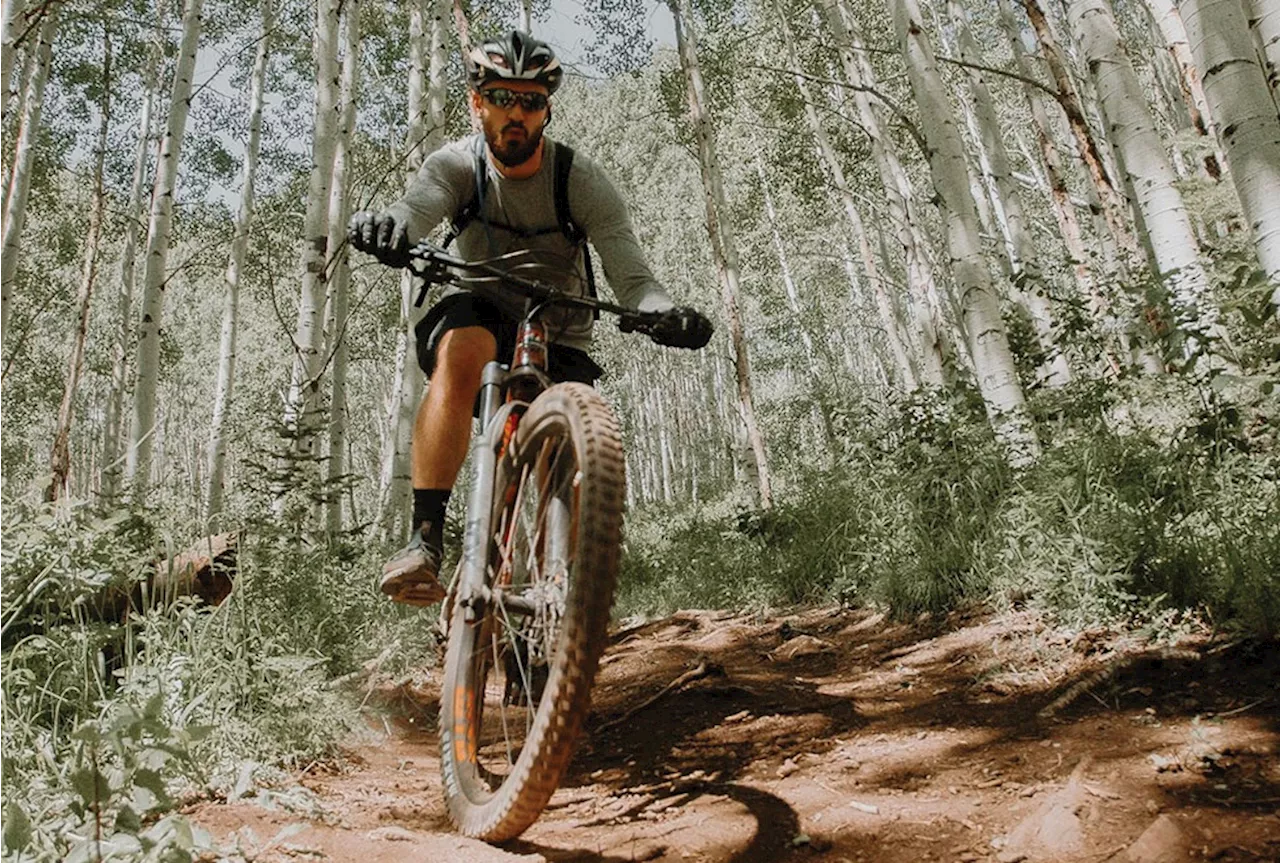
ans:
x=1131 y=130
x=60 y=454
x=15 y=203
x=1249 y=128
x=906 y=368
x=899 y=195
x=988 y=344
x=428 y=28
x=1264 y=22
x=225 y=387
x=11 y=14
x=723 y=244
x=339 y=268
x=154 y=279
x=113 y=428
x=1169 y=20
x=1030 y=284
x=303 y=407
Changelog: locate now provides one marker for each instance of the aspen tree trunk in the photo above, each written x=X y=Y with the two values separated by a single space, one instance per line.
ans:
x=1174 y=31
x=113 y=431
x=988 y=344
x=340 y=269
x=526 y=15
x=1031 y=286
x=1235 y=84
x=723 y=244
x=884 y=303
x=1111 y=201
x=1132 y=131
x=427 y=28
x=1059 y=195
x=15 y=209
x=141 y=436
x=225 y=388
x=10 y=20
x=304 y=408
x=1264 y=22
x=788 y=283
x=60 y=454
x=899 y=195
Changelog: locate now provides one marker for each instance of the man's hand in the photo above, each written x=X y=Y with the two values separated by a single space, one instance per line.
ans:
x=683 y=327
x=381 y=235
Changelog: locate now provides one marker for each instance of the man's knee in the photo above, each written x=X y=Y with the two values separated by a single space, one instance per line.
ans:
x=461 y=356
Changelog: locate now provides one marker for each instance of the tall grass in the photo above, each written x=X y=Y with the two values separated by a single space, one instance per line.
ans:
x=1129 y=511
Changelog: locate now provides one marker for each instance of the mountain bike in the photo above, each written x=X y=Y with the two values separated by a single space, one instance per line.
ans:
x=527 y=611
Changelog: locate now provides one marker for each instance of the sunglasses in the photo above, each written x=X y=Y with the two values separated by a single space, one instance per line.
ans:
x=504 y=98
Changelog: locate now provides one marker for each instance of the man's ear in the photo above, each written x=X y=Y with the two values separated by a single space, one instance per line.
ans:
x=476 y=101
x=547 y=122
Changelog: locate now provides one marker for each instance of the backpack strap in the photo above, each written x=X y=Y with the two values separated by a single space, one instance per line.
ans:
x=572 y=232
x=468 y=212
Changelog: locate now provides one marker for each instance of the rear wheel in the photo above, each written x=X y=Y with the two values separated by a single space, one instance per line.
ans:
x=518 y=678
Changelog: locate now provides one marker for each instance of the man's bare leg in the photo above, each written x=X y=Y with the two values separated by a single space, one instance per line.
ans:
x=441 y=435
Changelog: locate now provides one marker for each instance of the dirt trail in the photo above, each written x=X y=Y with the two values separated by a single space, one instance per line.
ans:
x=833 y=735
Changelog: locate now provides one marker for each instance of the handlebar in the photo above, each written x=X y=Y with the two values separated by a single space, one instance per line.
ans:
x=436 y=266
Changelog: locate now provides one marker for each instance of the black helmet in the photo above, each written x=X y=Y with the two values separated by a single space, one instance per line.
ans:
x=517 y=56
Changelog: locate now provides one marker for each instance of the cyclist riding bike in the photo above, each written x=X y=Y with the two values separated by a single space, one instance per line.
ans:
x=509 y=189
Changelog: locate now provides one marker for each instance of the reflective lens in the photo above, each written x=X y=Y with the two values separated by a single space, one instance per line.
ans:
x=504 y=98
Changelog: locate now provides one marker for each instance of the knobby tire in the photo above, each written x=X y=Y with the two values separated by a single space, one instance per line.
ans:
x=500 y=805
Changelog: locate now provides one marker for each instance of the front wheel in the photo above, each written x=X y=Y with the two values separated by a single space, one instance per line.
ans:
x=518 y=677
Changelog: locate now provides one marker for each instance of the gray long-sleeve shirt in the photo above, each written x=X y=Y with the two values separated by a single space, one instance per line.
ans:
x=446 y=182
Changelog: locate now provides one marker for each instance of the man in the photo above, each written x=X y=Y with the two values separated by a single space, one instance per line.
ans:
x=511 y=79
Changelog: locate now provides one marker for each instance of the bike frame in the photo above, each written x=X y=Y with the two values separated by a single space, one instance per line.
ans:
x=505 y=392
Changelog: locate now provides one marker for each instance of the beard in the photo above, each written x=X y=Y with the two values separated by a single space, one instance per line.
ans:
x=515 y=150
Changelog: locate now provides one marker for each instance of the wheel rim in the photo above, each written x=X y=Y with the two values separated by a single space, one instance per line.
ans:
x=512 y=650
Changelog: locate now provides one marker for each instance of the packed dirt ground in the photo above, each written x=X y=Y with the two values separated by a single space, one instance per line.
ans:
x=834 y=735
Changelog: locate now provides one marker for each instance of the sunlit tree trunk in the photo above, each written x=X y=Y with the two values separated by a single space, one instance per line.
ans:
x=1032 y=288
x=988 y=344
x=225 y=388
x=60 y=455
x=1111 y=201
x=1249 y=127
x=339 y=268
x=906 y=368
x=1264 y=23
x=1064 y=211
x=1132 y=132
x=428 y=27
x=15 y=209
x=1169 y=20
x=899 y=196
x=141 y=436
x=113 y=435
x=10 y=20
x=784 y=265
x=723 y=244
x=304 y=408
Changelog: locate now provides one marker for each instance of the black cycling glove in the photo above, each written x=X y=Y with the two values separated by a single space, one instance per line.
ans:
x=381 y=235
x=682 y=327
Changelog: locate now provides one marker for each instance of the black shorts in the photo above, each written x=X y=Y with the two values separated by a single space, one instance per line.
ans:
x=467 y=310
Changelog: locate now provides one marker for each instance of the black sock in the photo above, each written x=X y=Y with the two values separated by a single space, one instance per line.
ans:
x=429 y=505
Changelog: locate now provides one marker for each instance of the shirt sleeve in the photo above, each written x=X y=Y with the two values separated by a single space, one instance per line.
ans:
x=440 y=188
x=600 y=211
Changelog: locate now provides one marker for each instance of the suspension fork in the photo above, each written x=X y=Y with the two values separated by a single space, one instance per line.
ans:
x=472 y=592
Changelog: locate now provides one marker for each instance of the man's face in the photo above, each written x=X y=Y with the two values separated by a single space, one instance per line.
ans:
x=512 y=129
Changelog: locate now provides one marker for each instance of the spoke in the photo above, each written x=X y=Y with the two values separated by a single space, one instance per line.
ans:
x=502 y=707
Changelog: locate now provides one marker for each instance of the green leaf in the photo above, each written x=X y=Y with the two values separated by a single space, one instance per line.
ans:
x=128 y=820
x=199 y=732
x=92 y=786
x=153 y=782
x=17 y=828
x=88 y=733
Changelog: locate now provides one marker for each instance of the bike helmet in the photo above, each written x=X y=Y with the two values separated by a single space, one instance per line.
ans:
x=517 y=56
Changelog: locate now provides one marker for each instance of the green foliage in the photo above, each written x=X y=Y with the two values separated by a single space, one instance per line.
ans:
x=1147 y=501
